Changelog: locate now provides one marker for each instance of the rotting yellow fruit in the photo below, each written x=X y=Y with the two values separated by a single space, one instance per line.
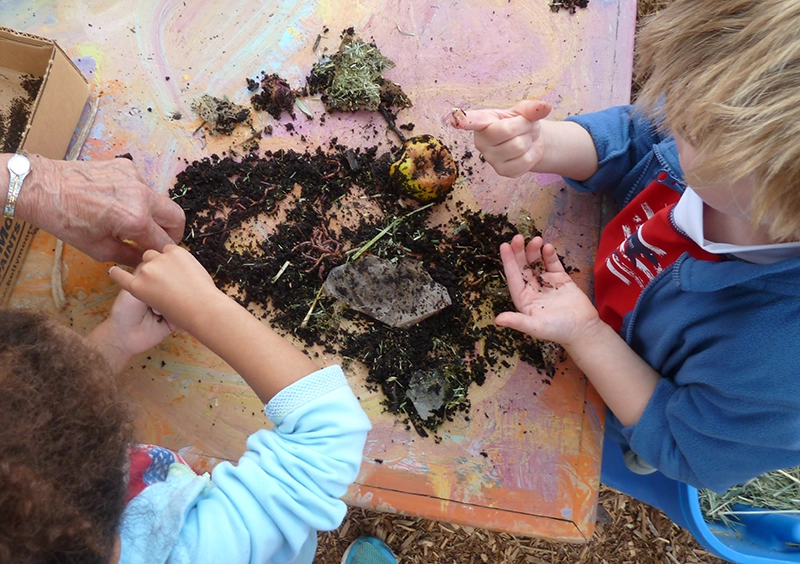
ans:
x=426 y=170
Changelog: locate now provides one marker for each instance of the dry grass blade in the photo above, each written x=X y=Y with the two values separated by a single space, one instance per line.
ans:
x=777 y=491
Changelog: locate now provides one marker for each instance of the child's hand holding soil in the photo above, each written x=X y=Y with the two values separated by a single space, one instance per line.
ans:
x=132 y=328
x=549 y=304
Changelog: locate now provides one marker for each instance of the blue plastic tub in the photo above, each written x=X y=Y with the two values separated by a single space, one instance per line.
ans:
x=759 y=539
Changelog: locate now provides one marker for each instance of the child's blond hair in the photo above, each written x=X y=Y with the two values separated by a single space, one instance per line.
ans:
x=725 y=75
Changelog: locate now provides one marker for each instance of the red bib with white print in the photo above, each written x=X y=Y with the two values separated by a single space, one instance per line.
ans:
x=635 y=247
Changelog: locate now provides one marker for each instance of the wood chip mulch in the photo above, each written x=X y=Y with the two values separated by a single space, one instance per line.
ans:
x=627 y=532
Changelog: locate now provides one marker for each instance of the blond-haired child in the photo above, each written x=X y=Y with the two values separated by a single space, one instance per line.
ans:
x=692 y=339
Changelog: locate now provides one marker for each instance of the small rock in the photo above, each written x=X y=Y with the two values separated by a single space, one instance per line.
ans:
x=427 y=392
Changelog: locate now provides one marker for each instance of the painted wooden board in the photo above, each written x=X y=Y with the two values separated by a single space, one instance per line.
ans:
x=528 y=459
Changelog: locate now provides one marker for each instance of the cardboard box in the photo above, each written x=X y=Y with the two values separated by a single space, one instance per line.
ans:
x=55 y=111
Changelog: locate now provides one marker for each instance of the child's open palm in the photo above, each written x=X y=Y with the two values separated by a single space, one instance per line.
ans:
x=549 y=304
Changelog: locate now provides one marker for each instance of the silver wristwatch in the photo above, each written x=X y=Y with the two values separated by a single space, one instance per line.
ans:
x=18 y=168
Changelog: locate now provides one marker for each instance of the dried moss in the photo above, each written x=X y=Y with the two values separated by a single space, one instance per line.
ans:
x=352 y=79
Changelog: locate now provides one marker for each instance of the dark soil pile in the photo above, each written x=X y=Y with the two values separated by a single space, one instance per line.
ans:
x=311 y=201
x=14 y=119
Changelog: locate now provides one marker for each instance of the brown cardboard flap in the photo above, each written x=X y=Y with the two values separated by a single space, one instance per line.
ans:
x=55 y=113
x=24 y=53
x=58 y=109
x=15 y=237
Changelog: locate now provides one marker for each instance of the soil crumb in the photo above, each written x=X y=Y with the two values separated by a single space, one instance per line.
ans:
x=276 y=96
x=571 y=5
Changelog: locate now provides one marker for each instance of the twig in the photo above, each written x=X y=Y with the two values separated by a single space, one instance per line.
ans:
x=390 y=120
x=304 y=323
x=281 y=271
x=397 y=221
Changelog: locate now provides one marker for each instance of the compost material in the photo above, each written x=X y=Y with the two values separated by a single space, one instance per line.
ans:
x=220 y=115
x=352 y=78
x=411 y=298
x=271 y=228
x=571 y=5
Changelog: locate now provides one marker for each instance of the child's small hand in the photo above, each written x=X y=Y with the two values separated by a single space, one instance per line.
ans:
x=172 y=283
x=550 y=305
x=509 y=140
x=131 y=328
x=138 y=327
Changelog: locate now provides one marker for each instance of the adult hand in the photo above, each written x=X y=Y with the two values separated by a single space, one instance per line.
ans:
x=172 y=283
x=98 y=207
x=549 y=304
x=509 y=140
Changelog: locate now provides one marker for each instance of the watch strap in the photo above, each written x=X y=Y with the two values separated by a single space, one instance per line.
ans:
x=14 y=187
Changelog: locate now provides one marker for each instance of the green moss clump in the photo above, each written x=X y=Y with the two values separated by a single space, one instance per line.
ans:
x=351 y=79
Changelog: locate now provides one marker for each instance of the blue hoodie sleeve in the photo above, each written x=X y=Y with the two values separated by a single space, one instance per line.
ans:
x=724 y=338
x=630 y=150
x=287 y=485
x=704 y=437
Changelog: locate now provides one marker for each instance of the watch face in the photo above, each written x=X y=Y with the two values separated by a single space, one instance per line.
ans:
x=19 y=165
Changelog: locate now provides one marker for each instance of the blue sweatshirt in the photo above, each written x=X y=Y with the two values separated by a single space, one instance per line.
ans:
x=725 y=337
x=269 y=507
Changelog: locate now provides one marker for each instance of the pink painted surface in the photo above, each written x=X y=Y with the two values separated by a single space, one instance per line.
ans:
x=527 y=460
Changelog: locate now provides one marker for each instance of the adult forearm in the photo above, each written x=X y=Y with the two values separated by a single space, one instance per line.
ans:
x=568 y=150
x=96 y=206
x=621 y=377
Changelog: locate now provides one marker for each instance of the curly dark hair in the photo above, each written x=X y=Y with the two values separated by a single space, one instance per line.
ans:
x=64 y=437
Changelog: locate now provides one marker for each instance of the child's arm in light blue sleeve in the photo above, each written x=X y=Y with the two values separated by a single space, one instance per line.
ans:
x=287 y=486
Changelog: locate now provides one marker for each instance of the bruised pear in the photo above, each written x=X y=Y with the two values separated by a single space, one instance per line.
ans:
x=425 y=171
